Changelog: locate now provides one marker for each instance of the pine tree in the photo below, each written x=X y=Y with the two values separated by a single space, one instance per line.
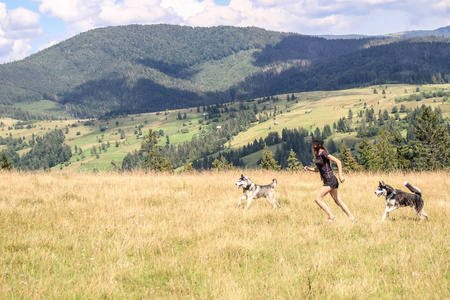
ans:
x=5 y=164
x=384 y=156
x=222 y=164
x=293 y=163
x=365 y=152
x=267 y=160
x=188 y=168
x=331 y=146
x=349 y=163
x=431 y=145
x=154 y=159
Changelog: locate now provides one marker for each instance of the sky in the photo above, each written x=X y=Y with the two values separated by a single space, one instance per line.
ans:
x=29 y=26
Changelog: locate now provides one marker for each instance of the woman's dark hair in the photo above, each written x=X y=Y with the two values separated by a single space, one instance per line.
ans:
x=317 y=140
x=316 y=148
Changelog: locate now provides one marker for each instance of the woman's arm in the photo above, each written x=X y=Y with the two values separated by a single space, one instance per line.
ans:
x=339 y=165
x=306 y=168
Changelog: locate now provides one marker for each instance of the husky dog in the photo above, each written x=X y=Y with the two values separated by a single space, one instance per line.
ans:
x=252 y=190
x=397 y=198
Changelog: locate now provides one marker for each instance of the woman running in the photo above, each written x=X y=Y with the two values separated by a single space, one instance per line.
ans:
x=330 y=182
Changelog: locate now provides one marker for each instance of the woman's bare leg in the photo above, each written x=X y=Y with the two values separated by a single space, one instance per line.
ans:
x=335 y=195
x=320 y=194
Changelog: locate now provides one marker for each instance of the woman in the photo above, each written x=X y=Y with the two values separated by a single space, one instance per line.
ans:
x=330 y=182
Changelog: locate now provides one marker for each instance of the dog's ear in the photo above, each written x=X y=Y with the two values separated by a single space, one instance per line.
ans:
x=246 y=177
x=242 y=175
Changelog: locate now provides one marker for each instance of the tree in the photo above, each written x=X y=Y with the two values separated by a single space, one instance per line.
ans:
x=222 y=164
x=365 y=152
x=267 y=160
x=431 y=145
x=293 y=164
x=317 y=132
x=384 y=156
x=349 y=163
x=188 y=168
x=153 y=154
x=331 y=146
x=326 y=131
x=5 y=164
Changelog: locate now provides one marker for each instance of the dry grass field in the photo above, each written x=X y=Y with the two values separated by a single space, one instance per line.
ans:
x=182 y=236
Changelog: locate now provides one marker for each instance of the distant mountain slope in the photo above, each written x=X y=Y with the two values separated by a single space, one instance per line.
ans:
x=137 y=68
x=443 y=31
x=407 y=61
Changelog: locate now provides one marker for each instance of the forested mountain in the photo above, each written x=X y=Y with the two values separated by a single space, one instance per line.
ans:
x=443 y=31
x=142 y=68
x=406 y=61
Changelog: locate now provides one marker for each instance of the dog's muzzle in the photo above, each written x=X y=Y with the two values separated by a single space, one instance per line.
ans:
x=241 y=183
x=378 y=193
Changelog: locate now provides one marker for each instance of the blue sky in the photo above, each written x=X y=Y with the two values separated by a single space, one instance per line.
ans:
x=28 y=26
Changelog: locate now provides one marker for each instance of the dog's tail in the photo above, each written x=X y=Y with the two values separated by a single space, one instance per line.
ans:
x=413 y=189
x=274 y=183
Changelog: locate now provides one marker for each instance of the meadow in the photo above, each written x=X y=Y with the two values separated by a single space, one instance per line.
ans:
x=326 y=108
x=75 y=235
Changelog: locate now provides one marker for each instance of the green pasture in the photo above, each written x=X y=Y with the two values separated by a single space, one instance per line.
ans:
x=311 y=110
x=233 y=68
x=44 y=107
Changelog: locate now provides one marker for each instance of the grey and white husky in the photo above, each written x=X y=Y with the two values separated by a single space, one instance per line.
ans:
x=397 y=198
x=252 y=190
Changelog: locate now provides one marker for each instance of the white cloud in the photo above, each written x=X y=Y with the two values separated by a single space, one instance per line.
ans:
x=17 y=27
x=11 y=50
x=184 y=8
x=69 y=10
x=312 y=17
x=303 y=16
x=133 y=11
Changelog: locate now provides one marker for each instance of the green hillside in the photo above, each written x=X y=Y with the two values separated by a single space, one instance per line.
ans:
x=113 y=138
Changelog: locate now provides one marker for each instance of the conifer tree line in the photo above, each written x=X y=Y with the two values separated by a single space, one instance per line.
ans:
x=201 y=145
x=46 y=152
x=425 y=147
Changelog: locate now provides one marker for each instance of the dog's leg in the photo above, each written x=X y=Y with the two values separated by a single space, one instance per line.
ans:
x=241 y=199
x=273 y=201
x=385 y=214
x=387 y=211
x=249 y=201
x=276 y=204
x=422 y=215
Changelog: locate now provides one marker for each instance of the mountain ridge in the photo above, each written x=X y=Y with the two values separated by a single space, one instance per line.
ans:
x=143 y=68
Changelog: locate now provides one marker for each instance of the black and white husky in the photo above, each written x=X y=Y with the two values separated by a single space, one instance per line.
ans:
x=252 y=190
x=397 y=198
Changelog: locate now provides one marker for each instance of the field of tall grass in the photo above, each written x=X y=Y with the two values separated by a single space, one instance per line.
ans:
x=147 y=236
